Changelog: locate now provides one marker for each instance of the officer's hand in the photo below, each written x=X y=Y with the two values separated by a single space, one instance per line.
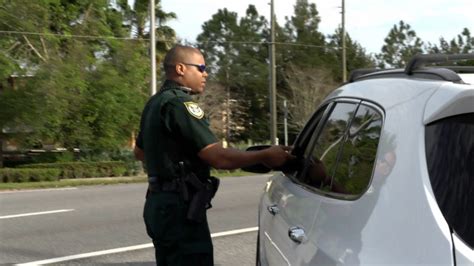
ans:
x=277 y=156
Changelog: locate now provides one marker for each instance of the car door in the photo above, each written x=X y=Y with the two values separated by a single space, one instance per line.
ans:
x=341 y=216
x=275 y=247
x=293 y=198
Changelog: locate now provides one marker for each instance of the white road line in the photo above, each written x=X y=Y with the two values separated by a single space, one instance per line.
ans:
x=34 y=213
x=125 y=249
x=36 y=190
x=234 y=232
x=87 y=255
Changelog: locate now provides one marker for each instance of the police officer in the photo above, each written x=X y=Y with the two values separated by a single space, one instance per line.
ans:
x=175 y=140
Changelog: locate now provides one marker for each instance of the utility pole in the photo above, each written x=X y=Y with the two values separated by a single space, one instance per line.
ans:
x=227 y=112
x=272 y=77
x=344 y=67
x=152 y=48
x=285 y=122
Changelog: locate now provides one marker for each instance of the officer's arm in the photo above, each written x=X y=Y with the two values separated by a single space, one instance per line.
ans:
x=227 y=158
x=139 y=154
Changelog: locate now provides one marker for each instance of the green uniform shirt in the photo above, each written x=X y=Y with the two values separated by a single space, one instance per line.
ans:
x=173 y=128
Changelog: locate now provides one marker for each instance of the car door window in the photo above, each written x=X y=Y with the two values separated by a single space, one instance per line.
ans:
x=340 y=155
x=358 y=152
x=323 y=158
x=302 y=142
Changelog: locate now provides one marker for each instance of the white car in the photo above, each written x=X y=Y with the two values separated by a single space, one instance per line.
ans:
x=384 y=175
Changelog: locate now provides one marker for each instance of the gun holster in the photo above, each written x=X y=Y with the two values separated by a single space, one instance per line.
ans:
x=201 y=193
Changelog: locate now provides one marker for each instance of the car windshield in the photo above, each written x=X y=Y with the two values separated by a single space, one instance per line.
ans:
x=450 y=158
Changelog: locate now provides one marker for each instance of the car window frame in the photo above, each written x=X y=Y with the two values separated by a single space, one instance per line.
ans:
x=351 y=197
x=310 y=130
x=316 y=135
x=313 y=125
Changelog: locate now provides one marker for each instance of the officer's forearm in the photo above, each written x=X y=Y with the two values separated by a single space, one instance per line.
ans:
x=220 y=158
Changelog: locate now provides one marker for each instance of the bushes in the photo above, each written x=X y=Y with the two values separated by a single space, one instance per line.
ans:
x=83 y=169
x=8 y=175
x=56 y=171
x=134 y=167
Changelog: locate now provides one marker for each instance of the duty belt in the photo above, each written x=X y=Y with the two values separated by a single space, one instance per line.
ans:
x=155 y=185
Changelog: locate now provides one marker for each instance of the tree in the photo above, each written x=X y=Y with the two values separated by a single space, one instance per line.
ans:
x=235 y=52
x=139 y=18
x=401 y=44
x=303 y=60
x=356 y=56
x=306 y=88
x=302 y=30
x=80 y=92
x=463 y=43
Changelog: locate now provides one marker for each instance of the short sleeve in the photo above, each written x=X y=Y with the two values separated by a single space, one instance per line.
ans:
x=187 y=118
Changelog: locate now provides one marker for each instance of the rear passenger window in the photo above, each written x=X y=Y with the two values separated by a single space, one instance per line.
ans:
x=342 y=153
x=450 y=158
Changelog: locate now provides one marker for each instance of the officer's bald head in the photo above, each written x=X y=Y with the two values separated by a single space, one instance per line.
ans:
x=177 y=54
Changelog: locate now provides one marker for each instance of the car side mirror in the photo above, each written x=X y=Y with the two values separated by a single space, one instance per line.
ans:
x=257 y=168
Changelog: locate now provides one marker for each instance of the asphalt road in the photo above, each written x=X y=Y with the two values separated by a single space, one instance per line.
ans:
x=78 y=226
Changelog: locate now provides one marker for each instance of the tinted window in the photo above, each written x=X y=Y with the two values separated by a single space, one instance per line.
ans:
x=356 y=160
x=450 y=158
x=342 y=160
x=302 y=144
x=323 y=158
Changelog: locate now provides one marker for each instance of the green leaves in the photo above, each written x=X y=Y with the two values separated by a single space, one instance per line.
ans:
x=72 y=88
x=401 y=44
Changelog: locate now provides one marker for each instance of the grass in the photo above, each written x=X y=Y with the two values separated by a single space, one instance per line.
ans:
x=101 y=181
x=73 y=182
x=227 y=173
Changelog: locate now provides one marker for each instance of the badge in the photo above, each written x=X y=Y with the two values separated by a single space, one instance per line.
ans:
x=194 y=109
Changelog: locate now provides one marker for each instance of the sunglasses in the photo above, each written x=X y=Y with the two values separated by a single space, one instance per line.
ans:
x=200 y=67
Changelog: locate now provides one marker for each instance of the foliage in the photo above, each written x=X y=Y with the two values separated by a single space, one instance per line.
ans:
x=302 y=29
x=238 y=65
x=125 y=155
x=462 y=44
x=306 y=87
x=73 y=182
x=401 y=44
x=8 y=175
x=356 y=56
x=69 y=76
x=52 y=157
x=74 y=92
x=83 y=169
x=303 y=61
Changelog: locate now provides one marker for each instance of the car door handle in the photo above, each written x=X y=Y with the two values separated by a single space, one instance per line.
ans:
x=297 y=234
x=273 y=209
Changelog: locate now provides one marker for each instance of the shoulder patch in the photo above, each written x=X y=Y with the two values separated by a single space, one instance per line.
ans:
x=194 y=109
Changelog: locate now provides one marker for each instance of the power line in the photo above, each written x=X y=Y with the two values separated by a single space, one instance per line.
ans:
x=76 y=36
x=159 y=40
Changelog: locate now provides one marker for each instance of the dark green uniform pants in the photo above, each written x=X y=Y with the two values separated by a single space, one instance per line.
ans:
x=177 y=241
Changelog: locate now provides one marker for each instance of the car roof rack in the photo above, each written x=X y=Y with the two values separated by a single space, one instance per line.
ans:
x=416 y=68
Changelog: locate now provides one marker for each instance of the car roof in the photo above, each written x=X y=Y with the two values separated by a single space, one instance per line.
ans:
x=416 y=69
x=449 y=89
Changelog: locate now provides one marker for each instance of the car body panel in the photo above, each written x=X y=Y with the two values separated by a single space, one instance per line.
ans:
x=464 y=254
x=397 y=220
x=450 y=99
x=286 y=195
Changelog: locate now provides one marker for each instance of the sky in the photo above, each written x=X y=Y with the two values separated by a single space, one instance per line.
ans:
x=367 y=21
